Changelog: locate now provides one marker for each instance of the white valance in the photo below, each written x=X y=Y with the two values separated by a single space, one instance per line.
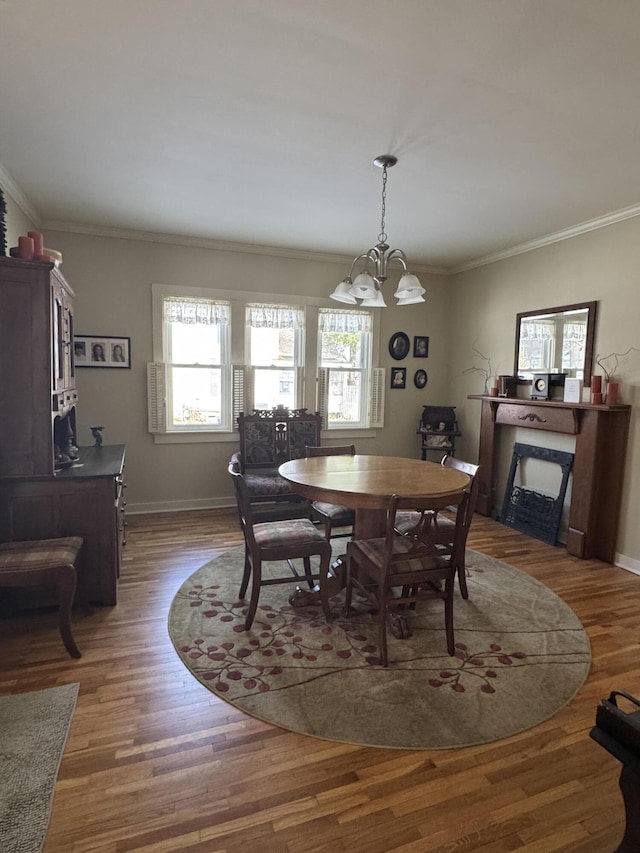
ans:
x=203 y=311
x=275 y=317
x=537 y=329
x=344 y=321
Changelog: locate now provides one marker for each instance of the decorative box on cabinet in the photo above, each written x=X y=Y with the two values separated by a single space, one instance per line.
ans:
x=82 y=501
x=37 y=373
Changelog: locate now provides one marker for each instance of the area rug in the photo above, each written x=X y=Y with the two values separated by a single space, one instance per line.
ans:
x=33 y=733
x=521 y=655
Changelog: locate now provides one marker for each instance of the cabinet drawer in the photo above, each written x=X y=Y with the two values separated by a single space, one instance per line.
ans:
x=538 y=417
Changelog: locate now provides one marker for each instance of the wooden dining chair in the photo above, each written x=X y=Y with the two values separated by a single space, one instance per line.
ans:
x=284 y=540
x=406 y=521
x=45 y=561
x=417 y=564
x=327 y=514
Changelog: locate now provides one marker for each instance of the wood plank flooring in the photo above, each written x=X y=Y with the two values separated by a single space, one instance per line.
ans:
x=157 y=763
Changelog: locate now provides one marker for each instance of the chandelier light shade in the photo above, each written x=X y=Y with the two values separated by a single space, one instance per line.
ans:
x=367 y=285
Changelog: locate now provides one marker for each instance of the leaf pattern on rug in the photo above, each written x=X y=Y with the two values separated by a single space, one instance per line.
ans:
x=255 y=661
x=521 y=654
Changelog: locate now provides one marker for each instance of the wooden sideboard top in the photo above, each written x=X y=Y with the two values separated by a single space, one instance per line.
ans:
x=105 y=461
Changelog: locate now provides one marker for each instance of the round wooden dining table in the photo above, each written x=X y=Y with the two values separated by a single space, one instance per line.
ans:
x=366 y=483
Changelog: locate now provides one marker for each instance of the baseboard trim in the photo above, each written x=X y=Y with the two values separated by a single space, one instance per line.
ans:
x=180 y=506
x=627 y=563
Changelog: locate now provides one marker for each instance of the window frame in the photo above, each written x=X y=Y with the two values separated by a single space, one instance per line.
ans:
x=309 y=375
x=366 y=371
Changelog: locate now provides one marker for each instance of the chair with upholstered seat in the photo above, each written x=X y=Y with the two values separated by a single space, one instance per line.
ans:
x=327 y=514
x=406 y=521
x=283 y=540
x=45 y=561
x=421 y=565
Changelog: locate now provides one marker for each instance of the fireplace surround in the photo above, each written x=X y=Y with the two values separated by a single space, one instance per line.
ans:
x=601 y=434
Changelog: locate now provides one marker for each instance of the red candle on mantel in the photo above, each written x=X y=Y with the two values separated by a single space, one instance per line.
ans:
x=25 y=247
x=38 y=242
x=596 y=384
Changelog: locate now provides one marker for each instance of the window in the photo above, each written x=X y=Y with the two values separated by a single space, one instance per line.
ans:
x=344 y=359
x=196 y=355
x=217 y=353
x=275 y=354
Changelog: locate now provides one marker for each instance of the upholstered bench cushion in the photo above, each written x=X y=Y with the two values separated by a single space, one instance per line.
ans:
x=38 y=554
x=265 y=483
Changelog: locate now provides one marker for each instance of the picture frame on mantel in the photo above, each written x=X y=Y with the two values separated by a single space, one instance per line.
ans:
x=102 y=351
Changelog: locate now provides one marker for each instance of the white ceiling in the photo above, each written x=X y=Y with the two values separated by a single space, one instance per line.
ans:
x=257 y=121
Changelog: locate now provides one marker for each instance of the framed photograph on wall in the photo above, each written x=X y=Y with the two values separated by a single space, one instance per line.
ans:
x=101 y=351
x=398 y=377
x=399 y=346
x=420 y=378
x=420 y=346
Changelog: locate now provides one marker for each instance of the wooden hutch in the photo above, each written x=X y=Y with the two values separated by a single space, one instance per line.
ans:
x=44 y=493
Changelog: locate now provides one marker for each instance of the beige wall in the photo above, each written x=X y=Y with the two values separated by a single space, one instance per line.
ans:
x=112 y=279
x=603 y=265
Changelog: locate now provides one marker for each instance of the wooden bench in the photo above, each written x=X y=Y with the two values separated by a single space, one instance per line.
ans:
x=269 y=437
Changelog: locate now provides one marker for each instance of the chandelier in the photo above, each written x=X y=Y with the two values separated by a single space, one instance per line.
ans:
x=367 y=285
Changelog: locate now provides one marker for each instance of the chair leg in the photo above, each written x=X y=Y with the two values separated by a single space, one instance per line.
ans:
x=382 y=627
x=462 y=578
x=348 y=590
x=306 y=562
x=324 y=586
x=448 y=616
x=327 y=530
x=247 y=572
x=255 y=593
x=66 y=579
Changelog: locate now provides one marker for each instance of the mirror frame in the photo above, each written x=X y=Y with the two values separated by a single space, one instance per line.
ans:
x=591 y=308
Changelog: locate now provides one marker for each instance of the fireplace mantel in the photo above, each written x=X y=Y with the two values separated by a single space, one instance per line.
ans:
x=601 y=434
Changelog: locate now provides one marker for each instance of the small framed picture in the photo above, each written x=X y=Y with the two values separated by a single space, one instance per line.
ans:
x=420 y=346
x=420 y=378
x=399 y=346
x=398 y=377
x=101 y=351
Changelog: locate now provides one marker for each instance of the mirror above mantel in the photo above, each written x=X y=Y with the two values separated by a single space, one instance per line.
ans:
x=556 y=340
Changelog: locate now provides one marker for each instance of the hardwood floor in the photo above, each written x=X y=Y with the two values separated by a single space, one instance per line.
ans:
x=155 y=762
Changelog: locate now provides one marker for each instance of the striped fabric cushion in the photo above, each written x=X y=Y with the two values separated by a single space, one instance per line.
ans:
x=38 y=554
x=334 y=511
x=286 y=534
x=406 y=521
x=374 y=550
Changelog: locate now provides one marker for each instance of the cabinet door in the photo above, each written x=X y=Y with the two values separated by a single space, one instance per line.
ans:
x=62 y=363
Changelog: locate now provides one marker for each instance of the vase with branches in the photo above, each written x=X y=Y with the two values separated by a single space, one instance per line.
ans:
x=484 y=370
x=609 y=365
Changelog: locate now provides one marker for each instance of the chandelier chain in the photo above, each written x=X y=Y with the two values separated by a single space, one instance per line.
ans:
x=382 y=237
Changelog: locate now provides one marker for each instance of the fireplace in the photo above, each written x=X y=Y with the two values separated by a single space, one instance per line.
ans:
x=601 y=434
x=532 y=512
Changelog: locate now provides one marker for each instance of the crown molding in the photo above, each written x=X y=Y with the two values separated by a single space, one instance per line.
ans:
x=18 y=196
x=549 y=239
x=217 y=245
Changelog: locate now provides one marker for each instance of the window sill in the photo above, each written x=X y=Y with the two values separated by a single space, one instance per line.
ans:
x=349 y=432
x=195 y=437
